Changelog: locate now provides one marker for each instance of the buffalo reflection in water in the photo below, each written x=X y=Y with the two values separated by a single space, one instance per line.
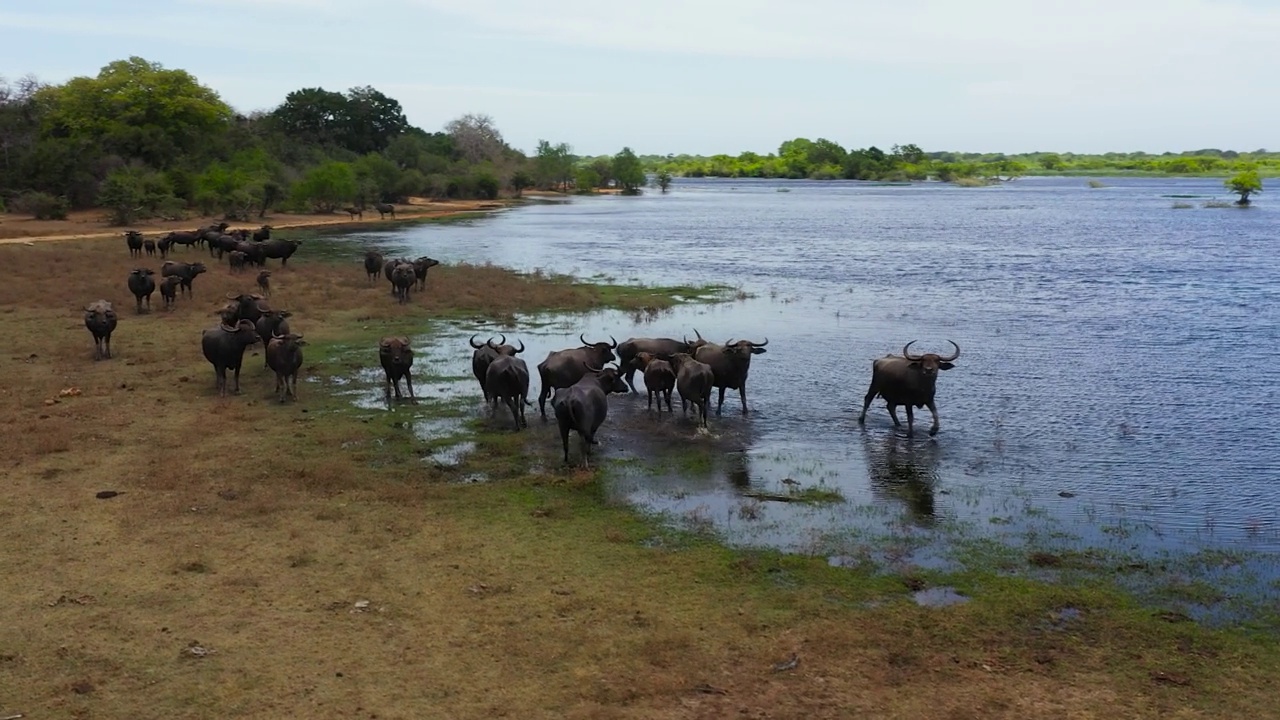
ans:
x=904 y=470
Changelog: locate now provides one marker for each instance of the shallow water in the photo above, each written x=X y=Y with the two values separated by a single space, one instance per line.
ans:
x=1113 y=389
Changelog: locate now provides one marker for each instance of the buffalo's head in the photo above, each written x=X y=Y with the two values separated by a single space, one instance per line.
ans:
x=745 y=348
x=610 y=379
x=396 y=349
x=930 y=363
x=244 y=331
x=502 y=348
x=603 y=351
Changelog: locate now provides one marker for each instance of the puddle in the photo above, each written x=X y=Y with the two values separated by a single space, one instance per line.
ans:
x=451 y=456
x=938 y=597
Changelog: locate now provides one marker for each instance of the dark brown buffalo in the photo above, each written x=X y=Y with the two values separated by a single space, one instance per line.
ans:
x=272 y=323
x=730 y=363
x=186 y=272
x=659 y=378
x=353 y=212
x=402 y=280
x=237 y=260
x=220 y=244
x=486 y=353
x=169 y=290
x=264 y=282
x=390 y=265
x=133 y=239
x=694 y=381
x=100 y=319
x=150 y=247
x=420 y=268
x=507 y=380
x=248 y=306
x=224 y=348
x=262 y=234
x=584 y=405
x=908 y=380
x=663 y=348
x=384 y=209
x=163 y=245
x=253 y=251
x=397 y=358
x=284 y=356
x=142 y=285
x=182 y=237
x=279 y=249
x=372 y=265
x=563 y=368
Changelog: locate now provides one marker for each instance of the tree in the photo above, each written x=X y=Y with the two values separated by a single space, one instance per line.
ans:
x=131 y=193
x=1244 y=184
x=521 y=180
x=662 y=180
x=312 y=115
x=327 y=186
x=371 y=121
x=137 y=110
x=1051 y=161
x=553 y=165
x=476 y=137
x=628 y=171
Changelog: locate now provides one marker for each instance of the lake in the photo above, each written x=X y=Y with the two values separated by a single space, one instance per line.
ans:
x=1113 y=390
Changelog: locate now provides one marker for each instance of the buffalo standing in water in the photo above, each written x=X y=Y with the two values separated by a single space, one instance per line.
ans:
x=224 y=348
x=584 y=405
x=486 y=353
x=908 y=380
x=100 y=318
x=507 y=378
x=694 y=382
x=563 y=368
x=661 y=347
x=730 y=363
x=397 y=358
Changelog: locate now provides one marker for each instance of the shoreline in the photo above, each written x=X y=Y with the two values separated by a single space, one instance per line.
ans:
x=25 y=230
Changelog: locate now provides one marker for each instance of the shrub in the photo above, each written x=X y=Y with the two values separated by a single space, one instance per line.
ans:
x=326 y=187
x=486 y=186
x=41 y=206
x=131 y=194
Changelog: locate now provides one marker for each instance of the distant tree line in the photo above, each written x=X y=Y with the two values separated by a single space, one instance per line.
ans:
x=824 y=159
x=141 y=140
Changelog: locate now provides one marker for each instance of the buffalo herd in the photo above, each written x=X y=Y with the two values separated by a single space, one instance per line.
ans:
x=577 y=380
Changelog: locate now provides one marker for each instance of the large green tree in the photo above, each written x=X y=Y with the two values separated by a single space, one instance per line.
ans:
x=1244 y=184
x=137 y=110
x=628 y=171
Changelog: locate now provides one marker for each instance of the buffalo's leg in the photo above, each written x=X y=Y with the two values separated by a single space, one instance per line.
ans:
x=107 y=345
x=408 y=383
x=866 y=403
x=911 y=420
x=279 y=390
x=667 y=393
x=742 y=393
x=893 y=413
x=649 y=392
x=237 y=380
x=564 y=440
x=720 y=405
x=542 y=407
x=933 y=409
x=515 y=412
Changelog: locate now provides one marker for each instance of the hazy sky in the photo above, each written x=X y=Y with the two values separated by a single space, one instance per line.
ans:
x=708 y=76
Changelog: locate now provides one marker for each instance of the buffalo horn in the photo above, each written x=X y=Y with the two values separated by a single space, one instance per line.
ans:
x=907 y=354
x=473 y=343
x=521 y=348
x=955 y=355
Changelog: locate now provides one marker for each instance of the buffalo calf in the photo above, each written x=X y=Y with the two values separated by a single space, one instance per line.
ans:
x=397 y=358
x=659 y=378
x=169 y=290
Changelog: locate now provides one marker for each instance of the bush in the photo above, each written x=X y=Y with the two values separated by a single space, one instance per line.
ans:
x=41 y=206
x=459 y=187
x=486 y=186
x=327 y=187
x=131 y=194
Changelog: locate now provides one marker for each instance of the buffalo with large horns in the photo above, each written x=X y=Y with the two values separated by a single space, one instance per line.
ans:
x=484 y=354
x=730 y=363
x=563 y=368
x=908 y=380
x=583 y=406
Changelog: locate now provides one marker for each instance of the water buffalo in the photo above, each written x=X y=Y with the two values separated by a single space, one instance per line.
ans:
x=280 y=249
x=694 y=381
x=402 y=280
x=907 y=380
x=385 y=208
x=270 y=324
x=236 y=260
x=186 y=272
x=163 y=246
x=583 y=406
x=142 y=285
x=486 y=353
x=169 y=290
x=264 y=282
x=253 y=251
x=507 y=380
x=182 y=237
x=372 y=264
x=284 y=356
x=224 y=348
x=730 y=363
x=659 y=378
x=397 y=358
x=150 y=247
x=353 y=212
x=563 y=368
x=100 y=319
x=660 y=347
x=390 y=265
x=420 y=268
x=248 y=306
x=261 y=234
x=219 y=244
x=133 y=239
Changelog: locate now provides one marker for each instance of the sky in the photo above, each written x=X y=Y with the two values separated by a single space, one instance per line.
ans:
x=719 y=76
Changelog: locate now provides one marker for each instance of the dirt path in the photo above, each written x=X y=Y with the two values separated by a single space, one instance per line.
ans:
x=90 y=224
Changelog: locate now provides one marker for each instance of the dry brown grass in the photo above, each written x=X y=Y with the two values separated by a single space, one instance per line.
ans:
x=245 y=527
